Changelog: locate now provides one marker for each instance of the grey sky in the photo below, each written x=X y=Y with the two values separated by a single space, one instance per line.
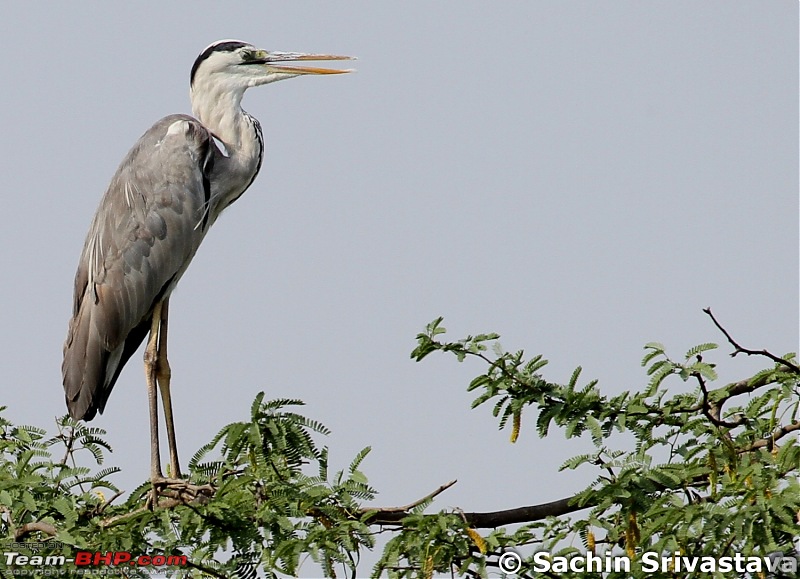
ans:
x=580 y=177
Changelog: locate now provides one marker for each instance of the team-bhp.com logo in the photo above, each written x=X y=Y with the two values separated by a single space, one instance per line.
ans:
x=96 y=559
x=88 y=559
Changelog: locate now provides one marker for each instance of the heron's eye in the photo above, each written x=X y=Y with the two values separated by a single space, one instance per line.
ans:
x=252 y=56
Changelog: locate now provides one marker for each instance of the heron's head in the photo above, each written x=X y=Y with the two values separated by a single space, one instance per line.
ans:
x=232 y=65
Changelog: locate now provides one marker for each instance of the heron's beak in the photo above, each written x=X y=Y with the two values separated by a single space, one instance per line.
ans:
x=271 y=57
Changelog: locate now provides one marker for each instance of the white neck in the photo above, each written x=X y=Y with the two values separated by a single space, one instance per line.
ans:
x=219 y=109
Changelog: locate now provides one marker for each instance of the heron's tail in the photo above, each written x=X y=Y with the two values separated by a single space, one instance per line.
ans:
x=90 y=369
x=84 y=367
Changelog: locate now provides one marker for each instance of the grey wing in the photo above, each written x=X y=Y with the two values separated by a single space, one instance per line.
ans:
x=145 y=232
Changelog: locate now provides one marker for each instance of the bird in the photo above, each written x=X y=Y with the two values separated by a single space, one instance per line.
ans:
x=166 y=194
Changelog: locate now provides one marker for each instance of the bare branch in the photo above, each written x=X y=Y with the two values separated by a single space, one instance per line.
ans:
x=404 y=510
x=525 y=514
x=493 y=519
x=737 y=349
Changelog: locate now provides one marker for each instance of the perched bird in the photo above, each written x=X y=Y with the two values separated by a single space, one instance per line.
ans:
x=166 y=194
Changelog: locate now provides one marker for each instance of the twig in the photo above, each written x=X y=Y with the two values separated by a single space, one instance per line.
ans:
x=408 y=507
x=69 y=440
x=769 y=441
x=117 y=518
x=109 y=501
x=739 y=350
x=205 y=569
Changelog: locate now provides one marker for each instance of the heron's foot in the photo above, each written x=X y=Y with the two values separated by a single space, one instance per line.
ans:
x=169 y=492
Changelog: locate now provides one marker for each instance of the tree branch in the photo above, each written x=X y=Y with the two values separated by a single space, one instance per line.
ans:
x=529 y=514
x=713 y=410
x=769 y=441
x=493 y=519
x=29 y=528
x=204 y=569
x=404 y=510
x=737 y=349
x=117 y=518
x=743 y=387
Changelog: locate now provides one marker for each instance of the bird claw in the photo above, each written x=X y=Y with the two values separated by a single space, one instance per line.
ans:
x=178 y=492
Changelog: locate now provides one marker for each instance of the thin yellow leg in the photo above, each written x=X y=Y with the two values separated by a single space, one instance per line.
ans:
x=163 y=374
x=150 y=359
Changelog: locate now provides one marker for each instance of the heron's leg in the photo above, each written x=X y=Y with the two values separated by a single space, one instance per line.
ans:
x=150 y=358
x=163 y=373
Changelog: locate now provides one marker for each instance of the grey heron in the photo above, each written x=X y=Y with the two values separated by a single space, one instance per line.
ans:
x=166 y=194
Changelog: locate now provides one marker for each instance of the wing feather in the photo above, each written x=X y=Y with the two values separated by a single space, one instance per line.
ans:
x=140 y=242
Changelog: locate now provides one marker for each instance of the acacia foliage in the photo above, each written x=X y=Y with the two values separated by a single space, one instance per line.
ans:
x=712 y=470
